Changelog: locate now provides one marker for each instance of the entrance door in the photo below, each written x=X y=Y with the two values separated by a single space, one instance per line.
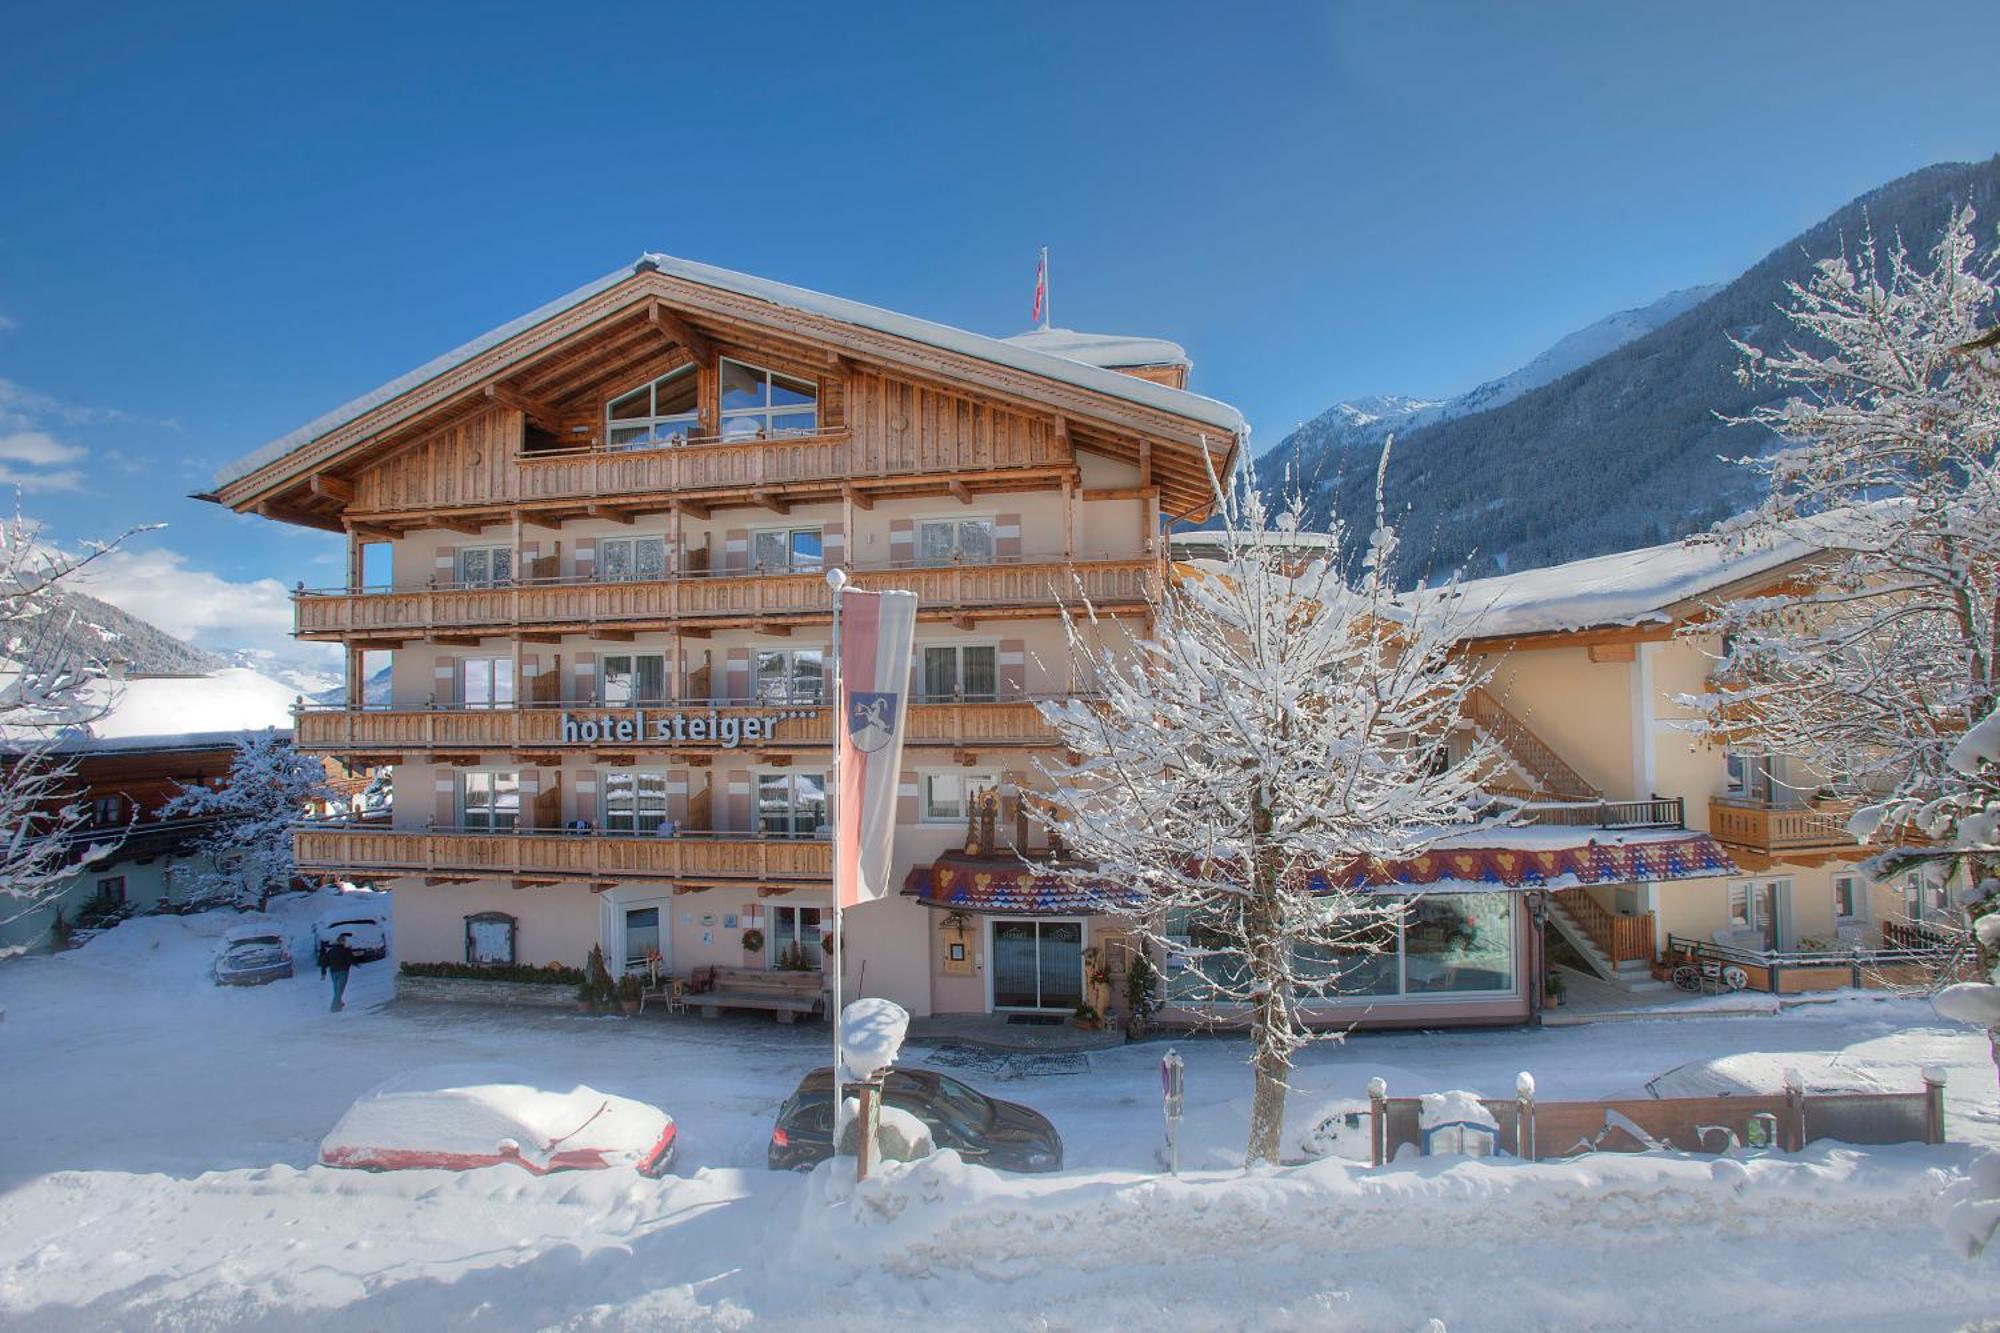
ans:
x=1771 y=894
x=1037 y=964
x=642 y=935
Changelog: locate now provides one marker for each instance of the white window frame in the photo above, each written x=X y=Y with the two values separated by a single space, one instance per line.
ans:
x=973 y=780
x=791 y=565
x=606 y=778
x=1857 y=899
x=1740 y=890
x=632 y=562
x=771 y=947
x=465 y=806
x=1083 y=948
x=766 y=413
x=796 y=811
x=603 y=678
x=791 y=657
x=926 y=693
x=491 y=553
x=654 y=421
x=501 y=669
x=957 y=556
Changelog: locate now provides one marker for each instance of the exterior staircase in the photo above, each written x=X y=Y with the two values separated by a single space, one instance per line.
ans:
x=1553 y=777
x=1617 y=948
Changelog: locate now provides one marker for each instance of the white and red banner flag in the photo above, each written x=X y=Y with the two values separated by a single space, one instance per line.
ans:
x=877 y=630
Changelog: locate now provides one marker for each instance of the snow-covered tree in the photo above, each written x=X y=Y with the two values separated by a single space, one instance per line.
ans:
x=248 y=850
x=46 y=691
x=1871 y=667
x=1247 y=765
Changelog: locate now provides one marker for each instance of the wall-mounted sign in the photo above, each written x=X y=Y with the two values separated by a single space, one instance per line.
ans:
x=728 y=730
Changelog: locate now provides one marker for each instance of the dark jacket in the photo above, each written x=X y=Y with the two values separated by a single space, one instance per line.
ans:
x=337 y=957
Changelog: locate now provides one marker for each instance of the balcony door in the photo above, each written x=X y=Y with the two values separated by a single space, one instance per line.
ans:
x=486 y=682
x=1037 y=964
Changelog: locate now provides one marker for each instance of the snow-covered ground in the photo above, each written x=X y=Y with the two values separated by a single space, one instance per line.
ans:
x=157 y=1138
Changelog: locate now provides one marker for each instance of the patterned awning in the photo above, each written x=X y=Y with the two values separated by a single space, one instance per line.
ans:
x=1004 y=886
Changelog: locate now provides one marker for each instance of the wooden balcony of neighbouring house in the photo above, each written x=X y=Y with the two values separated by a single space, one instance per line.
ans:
x=1780 y=831
x=694 y=858
x=694 y=728
x=699 y=603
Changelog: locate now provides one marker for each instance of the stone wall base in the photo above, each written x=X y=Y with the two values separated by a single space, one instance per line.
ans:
x=469 y=990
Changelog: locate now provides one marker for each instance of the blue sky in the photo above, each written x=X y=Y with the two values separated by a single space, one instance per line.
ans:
x=217 y=221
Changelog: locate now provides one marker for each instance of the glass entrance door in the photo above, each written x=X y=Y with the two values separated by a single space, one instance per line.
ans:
x=1037 y=964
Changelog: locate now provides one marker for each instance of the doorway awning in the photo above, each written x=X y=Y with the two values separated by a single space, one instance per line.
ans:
x=1008 y=886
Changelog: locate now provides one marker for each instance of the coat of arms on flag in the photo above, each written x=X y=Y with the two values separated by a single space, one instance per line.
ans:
x=871 y=719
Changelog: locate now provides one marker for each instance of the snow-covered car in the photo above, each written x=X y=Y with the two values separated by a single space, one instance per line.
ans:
x=460 y=1117
x=251 y=956
x=370 y=939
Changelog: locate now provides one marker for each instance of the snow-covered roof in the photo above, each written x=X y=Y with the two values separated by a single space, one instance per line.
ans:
x=182 y=712
x=1065 y=368
x=1625 y=588
x=1110 y=350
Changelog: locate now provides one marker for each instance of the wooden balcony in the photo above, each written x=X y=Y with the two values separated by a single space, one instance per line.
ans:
x=384 y=734
x=1778 y=830
x=706 y=602
x=555 y=856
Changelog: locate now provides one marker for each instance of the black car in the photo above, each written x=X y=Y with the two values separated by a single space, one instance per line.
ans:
x=1003 y=1135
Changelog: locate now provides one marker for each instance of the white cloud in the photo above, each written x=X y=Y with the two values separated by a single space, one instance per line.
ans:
x=31 y=482
x=39 y=448
x=161 y=586
x=8 y=323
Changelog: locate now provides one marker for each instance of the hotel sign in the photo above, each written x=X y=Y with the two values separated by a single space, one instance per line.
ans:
x=637 y=726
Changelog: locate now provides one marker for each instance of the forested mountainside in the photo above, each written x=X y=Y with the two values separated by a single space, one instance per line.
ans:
x=1626 y=450
x=76 y=626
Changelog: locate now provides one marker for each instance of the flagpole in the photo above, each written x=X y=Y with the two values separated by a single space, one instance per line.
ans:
x=1047 y=291
x=836 y=578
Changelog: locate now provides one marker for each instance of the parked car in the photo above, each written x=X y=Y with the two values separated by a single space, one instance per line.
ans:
x=459 y=1117
x=370 y=940
x=251 y=956
x=1004 y=1135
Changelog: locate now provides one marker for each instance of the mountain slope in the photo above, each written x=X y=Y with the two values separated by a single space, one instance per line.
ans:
x=76 y=626
x=1624 y=451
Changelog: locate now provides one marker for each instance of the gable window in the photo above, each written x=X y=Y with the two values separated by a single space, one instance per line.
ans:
x=485 y=566
x=667 y=411
x=947 y=541
x=791 y=804
x=486 y=682
x=947 y=796
x=490 y=801
x=961 y=671
x=635 y=801
x=107 y=810
x=628 y=559
x=631 y=679
x=490 y=938
x=790 y=676
x=777 y=550
x=762 y=404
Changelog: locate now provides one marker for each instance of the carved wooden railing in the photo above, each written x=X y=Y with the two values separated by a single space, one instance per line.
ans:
x=561 y=855
x=1619 y=938
x=706 y=600
x=1769 y=828
x=1525 y=748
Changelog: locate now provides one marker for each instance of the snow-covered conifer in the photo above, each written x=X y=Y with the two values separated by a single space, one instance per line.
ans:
x=248 y=849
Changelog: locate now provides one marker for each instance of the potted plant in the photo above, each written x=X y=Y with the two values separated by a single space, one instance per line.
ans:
x=1086 y=1018
x=1552 y=990
x=628 y=994
x=1142 y=983
x=753 y=940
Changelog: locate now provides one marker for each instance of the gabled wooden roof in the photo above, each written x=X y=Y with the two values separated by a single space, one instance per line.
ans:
x=612 y=329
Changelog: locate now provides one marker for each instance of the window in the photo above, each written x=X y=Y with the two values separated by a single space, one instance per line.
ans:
x=790 y=676
x=667 y=411
x=635 y=801
x=485 y=566
x=1458 y=942
x=791 y=804
x=1846 y=897
x=1923 y=895
x=111 y=890
x=761 y=404
x=642 y=935
x=490 y=938
x=1739 y=906
x=779 y=549
x=629 y=559
x=486 y=682
x=946 y=795
x=490 y=801
x=633 y=679
x=794 y=937
x=106 y=811
x=961 y=671
x=949 y=540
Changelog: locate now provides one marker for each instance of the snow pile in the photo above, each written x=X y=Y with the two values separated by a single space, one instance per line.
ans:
x=1969 y=1211
x=1343 y=1129
x=871 y=1035
x=1456 y=1107
x=899 y=1135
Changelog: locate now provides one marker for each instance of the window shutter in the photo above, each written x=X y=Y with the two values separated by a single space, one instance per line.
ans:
x=1007 y=536
x=586 y=795
x=739 y=803
x=906 y=797
x=1013 y=663
x=444 y=681
x=585 y=690
x=586 y=557
x=445 y=813
x=833 y=544
x=445 y=566
x=736 y=550
x=736 y=685
x=902 y=541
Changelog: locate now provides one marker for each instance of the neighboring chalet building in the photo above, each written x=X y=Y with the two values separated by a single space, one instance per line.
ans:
x=162 y=733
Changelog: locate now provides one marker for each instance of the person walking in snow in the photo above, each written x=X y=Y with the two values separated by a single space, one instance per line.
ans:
x=337 y=962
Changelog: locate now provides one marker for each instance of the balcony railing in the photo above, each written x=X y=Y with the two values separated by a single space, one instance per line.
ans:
x=709 y=600
x=560 y=855
x=542 y=726
x=1762 y=827
x=1668 y=812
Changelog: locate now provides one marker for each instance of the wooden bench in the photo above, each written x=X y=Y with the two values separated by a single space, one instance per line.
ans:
x=787 y=994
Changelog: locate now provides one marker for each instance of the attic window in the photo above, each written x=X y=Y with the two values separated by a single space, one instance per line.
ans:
x=665 y=412
x=760 y=404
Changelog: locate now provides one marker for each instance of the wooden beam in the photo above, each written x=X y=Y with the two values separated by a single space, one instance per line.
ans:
x=527 y=636
x=534 y=410
x=1145 y=461
x=471 y=527
x=675 y=329
x=693 y=632
x=1613 y=652
x=961 y=620
x=782 y=631
x=960 y=490
x=611 y=513
x=613 y=635
x=1120 y=492
x=690 y=508
x=333 y=488
x=775 y=504
x=519 y=884
x=459 y=640
x=432 y=881
x=857 y=497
